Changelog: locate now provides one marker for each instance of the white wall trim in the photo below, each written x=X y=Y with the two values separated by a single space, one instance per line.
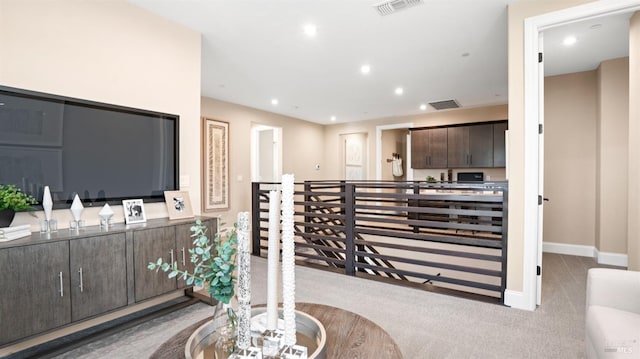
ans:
x=612 y=259
x=607 y=258
x=570 y=249
x=517 y=300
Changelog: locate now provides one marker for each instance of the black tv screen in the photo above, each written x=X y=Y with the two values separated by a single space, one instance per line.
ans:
x=104 y=153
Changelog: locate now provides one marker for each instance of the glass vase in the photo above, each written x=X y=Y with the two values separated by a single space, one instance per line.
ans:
x=226 y=333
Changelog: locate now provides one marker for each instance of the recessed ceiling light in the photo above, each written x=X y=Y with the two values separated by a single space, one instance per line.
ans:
x=399 y=91
x=365 y=69
x=274 y=101
x=569 y=40
x=333 y=118
x=423 y=107
x=310 y=30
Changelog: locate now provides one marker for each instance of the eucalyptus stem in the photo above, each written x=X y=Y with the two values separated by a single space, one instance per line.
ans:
x=214 y=263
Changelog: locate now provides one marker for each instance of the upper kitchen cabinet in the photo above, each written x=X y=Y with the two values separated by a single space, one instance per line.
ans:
x=478 y=145
x=429 y=148
x=499 y=145
x=470 y=146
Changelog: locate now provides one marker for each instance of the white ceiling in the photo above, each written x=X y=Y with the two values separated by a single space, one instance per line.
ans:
x=597 y=40
x=256 y=50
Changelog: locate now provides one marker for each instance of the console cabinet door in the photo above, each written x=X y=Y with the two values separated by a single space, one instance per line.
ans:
x=148 y=246
x=184 y=242
x=98 y=275
x=35 y=293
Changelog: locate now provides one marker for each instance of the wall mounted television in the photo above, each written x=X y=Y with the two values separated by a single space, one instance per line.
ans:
x=104 y=153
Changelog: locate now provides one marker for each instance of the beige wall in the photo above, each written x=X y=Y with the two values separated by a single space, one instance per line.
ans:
x=107 y=51
x=517 y=13
x=612 y=163
x=303 y=148
x=570 y=119
x=586 y=123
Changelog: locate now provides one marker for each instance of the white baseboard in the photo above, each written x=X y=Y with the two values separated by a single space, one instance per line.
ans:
x=614 y=259
x=517 y=300
x=570 y=249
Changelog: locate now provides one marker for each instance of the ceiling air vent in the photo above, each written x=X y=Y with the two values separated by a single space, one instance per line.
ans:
x=390 y=6
x=444 y=105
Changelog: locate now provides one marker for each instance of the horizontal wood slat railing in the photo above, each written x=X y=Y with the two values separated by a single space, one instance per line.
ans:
x=443 y=236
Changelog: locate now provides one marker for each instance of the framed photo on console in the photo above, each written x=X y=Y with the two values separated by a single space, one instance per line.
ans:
x=178 y=204
x=133 y=211
x=215 y=165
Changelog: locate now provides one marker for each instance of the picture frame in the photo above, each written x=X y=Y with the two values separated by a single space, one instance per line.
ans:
x=133 y=211
x=215 y=165
x=178 y=204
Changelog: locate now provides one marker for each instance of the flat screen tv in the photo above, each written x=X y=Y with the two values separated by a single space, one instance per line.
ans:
x=104 y=153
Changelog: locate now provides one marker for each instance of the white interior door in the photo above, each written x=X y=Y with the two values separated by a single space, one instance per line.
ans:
x=540 y=170
x=266 y=156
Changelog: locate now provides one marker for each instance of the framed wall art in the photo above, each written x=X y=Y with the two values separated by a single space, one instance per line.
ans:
x=178 y=204
x=215 y=165
x=133 y=211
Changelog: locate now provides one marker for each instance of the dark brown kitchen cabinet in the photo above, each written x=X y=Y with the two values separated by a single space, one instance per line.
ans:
x=98 y=275
x=429 y=148
x=470 y=146
x=35 y=295
x=499 y=145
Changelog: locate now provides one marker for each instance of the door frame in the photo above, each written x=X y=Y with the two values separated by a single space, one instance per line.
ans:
x=379 y=130
x=533 y=157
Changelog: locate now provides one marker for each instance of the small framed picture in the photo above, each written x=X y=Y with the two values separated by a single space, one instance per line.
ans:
x=178 y=204
x=133 y=211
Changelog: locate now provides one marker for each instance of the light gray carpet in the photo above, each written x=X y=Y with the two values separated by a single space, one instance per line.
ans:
x=423 y=324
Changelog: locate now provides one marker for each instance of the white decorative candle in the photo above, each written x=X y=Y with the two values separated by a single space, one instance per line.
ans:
x=288 y=262
x=244 y=282
x=273 y=260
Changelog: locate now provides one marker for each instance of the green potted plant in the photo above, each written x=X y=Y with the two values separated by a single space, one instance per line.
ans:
x=12 y=199
x=215 y=264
